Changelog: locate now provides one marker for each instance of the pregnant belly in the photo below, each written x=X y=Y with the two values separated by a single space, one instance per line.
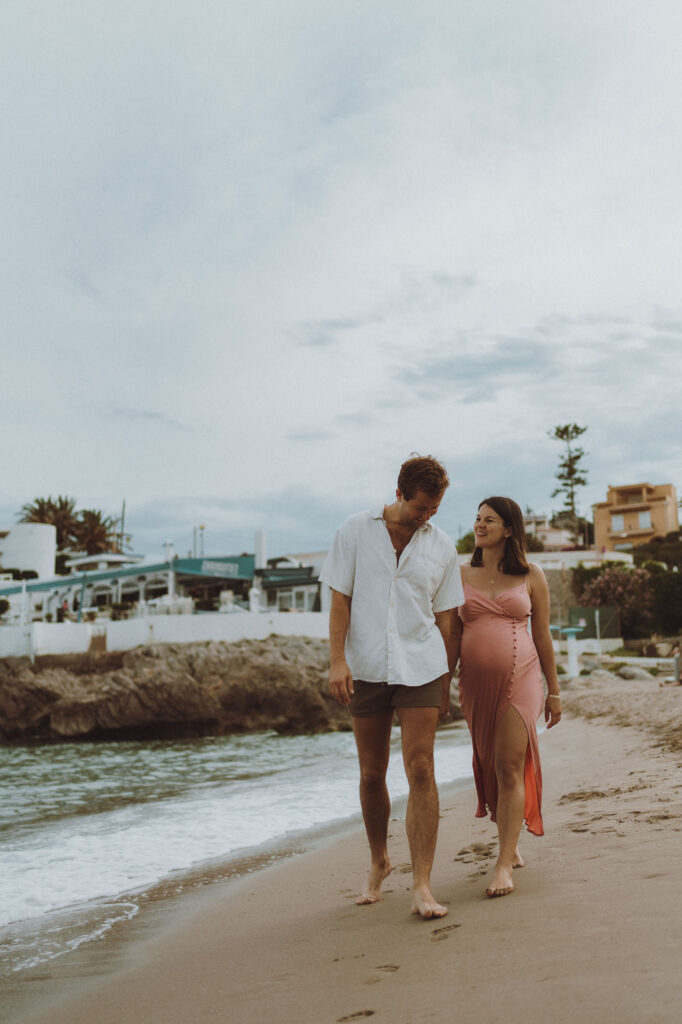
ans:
x=483 y=653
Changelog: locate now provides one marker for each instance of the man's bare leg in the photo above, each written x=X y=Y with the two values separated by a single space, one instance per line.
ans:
x=373 y=740
x=418 y=727
x=511 y=744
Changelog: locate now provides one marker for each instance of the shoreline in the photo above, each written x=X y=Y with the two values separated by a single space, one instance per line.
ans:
x=35 y=941
x=593 y=928
x=155 y=907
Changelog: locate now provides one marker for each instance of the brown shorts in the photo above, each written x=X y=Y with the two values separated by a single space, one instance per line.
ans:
x=376 y=698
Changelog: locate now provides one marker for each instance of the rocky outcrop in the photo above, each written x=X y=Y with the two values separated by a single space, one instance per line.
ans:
x=171 y=690
x=633 y=672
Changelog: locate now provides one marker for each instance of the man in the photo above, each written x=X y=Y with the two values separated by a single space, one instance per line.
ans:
x=395 y=588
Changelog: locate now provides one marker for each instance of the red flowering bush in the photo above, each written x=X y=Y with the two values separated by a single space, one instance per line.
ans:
x=631 y=591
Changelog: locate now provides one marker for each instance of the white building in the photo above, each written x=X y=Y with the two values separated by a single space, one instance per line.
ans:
x=554 y=538
x=28 y=548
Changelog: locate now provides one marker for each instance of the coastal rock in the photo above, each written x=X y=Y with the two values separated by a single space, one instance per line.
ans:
x=173 y=690
x=634 y=672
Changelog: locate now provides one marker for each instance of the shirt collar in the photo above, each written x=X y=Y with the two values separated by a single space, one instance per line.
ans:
x=377 y=512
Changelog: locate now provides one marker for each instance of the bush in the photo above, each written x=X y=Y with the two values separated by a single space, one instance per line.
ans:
x=4 y=605
x=667 y=602
x=630 y=590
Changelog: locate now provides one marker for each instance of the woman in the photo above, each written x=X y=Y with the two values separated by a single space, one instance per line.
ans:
x=500 y=679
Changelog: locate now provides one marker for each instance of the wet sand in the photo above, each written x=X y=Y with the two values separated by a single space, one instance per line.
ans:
x=592 y=932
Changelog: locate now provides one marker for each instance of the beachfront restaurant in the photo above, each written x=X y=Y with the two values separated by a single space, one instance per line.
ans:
x=181 y=585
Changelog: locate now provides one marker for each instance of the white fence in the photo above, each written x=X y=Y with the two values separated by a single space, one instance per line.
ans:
x=77 y=638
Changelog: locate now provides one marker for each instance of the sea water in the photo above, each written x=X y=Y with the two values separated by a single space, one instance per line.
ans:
x=87 y=828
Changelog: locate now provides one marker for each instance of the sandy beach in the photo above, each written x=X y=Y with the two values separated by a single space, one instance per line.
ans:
x=593 y=931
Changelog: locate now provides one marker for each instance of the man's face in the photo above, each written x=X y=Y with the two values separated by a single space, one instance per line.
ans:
x=418 y=509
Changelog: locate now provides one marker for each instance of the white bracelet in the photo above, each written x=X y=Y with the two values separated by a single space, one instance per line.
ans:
x=553 y=696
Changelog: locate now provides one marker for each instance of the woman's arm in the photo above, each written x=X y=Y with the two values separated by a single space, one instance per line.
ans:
x=542 y=638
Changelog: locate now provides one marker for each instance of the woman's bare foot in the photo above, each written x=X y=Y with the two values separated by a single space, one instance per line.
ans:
x=372 y=887
x=518 y=861
x=425 y=905
x=501 y=884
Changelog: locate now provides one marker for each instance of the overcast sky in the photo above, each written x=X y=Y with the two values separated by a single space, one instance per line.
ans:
x=255 y=254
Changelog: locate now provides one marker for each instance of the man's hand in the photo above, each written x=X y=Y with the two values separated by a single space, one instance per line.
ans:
x=341 y=681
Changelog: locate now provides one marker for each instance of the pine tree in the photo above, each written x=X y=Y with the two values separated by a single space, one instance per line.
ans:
x=570 y=474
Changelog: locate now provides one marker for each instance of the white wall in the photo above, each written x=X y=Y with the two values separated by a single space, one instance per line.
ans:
x=76 y=638
x=572 y=559
x=59 y=638
x=30 y=546
x=15 y=641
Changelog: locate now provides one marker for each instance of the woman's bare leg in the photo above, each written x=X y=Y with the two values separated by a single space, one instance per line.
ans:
x=511 y=745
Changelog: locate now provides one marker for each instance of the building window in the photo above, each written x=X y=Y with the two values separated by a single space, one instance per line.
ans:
x=622 y=547
x=644 y=519
x=617 y=522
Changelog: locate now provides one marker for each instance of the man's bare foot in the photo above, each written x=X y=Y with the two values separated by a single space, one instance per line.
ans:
x=501 y=884
x=426 y=906
x=518 y=861
x=372 y=887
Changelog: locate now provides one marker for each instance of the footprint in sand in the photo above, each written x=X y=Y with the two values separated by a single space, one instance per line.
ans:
x=438 y=934
x=387 y=967
x=356 y=1016
x=475 y=852
x=404 y=869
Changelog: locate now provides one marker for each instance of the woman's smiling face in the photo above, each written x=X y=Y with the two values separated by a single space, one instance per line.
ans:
x=489 y=527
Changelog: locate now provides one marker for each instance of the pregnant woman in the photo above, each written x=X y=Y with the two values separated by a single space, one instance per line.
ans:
x=500 y=678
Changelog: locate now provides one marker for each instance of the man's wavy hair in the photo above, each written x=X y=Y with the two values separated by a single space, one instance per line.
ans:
x=422 y=473
x=513 y=562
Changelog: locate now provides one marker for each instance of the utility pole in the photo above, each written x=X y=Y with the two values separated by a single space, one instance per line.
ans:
x=123 y=519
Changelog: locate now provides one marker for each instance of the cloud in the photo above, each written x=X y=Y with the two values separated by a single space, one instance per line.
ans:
x=148 y=416
x=274 y=250
x=313 y=436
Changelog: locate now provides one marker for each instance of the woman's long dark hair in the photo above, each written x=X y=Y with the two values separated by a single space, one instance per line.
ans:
x=513 y=562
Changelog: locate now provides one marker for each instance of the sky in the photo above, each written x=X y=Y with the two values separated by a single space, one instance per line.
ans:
x=253 y=255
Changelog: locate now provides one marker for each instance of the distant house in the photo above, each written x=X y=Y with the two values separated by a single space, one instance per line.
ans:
x=554 y=538
x=635 y=514
x=289 y=585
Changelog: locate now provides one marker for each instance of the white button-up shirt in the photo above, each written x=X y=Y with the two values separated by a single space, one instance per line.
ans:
x=393 y=636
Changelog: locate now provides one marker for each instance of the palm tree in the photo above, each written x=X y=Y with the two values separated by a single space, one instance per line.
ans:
x=59 y=512
x=95 y=532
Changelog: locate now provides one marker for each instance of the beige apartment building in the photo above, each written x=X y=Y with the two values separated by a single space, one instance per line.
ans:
x=634 y=514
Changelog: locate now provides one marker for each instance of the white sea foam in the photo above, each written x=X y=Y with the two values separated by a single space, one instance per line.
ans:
x=81 y=824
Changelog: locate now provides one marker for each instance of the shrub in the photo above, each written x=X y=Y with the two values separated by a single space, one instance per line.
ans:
x=630 y=590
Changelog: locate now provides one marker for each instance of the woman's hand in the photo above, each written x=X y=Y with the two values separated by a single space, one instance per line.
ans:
x=552 y=709
x=444 y=708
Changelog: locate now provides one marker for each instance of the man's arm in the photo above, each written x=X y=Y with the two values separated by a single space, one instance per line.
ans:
x=340 y=678
x=450 y=627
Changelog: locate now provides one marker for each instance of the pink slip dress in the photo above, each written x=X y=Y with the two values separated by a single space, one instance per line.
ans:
x=499 y=668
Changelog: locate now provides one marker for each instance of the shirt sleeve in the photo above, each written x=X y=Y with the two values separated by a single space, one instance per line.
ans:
x=450 y=593
x=338 y=570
